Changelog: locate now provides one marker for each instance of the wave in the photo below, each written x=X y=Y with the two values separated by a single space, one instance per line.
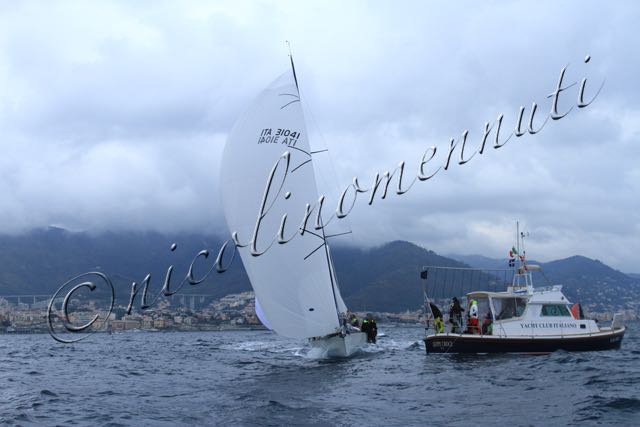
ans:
x=627 y=404
x=261 y=346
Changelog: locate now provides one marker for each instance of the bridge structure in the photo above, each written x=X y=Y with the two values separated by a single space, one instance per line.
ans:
x=185 y=300
x=25 y=299
x=190 y=300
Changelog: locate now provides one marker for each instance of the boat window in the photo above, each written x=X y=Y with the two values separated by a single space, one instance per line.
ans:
x=506 y=308
x=558 y=310
x=483 y=306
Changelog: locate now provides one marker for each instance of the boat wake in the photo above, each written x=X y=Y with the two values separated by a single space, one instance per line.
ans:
x=389 y=345
x=262 y=346
x=392 y=345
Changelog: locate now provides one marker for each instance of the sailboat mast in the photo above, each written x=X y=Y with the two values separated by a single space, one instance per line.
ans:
x=293 y=68
x=324 y=237
x=331 y=274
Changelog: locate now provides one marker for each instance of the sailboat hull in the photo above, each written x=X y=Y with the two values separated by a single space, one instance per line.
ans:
x=336 y=346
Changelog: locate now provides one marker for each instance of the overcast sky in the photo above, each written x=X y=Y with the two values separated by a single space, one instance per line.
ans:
x=113 y=115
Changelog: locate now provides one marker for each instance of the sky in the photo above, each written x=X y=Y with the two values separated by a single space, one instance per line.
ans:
x=114 y=115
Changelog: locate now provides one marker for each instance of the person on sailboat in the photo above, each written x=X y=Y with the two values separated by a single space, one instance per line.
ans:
x=370 y=328
x=437 y=318
x=353 y=320
x=455 y=315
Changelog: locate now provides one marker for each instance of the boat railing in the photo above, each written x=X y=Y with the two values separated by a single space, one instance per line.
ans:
x=617 y=322
x=548 y=288
x=443 y=282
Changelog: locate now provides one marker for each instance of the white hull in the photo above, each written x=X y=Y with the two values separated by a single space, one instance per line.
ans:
x=338 y=346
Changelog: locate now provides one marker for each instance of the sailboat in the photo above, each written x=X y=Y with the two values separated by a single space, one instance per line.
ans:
x=267 y=173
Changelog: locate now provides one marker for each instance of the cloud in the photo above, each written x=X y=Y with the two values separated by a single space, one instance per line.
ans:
x=113 y=115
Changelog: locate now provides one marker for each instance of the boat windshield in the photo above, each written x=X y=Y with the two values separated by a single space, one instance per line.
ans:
x=507 y=308
x=483 y=306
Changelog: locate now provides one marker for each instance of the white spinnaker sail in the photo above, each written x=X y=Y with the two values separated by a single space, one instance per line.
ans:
x=292 y=281
x=261 y=315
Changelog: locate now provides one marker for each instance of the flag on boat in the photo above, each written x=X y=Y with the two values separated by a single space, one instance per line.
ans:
x=513 y=252
x=512 y=262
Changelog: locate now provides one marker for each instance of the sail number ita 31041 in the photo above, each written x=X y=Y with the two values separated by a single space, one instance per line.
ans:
x=279 y=136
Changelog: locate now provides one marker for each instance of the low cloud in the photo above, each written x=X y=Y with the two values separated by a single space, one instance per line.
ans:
x=114 y=115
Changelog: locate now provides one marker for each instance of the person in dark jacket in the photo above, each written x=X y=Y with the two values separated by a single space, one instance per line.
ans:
x=487 y=324
x=455 y=315
x=370 y=328
x=437 y=318
x=353 y=320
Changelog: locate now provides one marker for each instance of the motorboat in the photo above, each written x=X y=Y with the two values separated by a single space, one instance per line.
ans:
x=524 y=319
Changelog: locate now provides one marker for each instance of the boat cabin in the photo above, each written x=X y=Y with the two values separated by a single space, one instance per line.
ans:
x=525 y=311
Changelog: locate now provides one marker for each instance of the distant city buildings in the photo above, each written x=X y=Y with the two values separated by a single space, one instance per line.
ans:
x=229 y=312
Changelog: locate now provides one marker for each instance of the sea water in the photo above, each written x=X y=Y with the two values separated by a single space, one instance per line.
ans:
x=258 y=378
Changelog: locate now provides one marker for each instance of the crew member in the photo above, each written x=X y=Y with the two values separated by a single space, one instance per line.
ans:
x=455 y=315
x=487 y=324
x=370 y=328
x=437 y=318
x=472 y=321
x=354 y=321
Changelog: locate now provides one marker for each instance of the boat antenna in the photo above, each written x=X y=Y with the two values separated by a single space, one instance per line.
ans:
x=522 y=236
x=293 y=67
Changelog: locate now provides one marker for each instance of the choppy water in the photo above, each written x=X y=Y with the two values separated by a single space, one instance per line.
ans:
x=258 y=378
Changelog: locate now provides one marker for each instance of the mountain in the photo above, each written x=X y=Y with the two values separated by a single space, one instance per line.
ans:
x=42 y=260
x=480 y=261
x=384 y=278
x=593 y=282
